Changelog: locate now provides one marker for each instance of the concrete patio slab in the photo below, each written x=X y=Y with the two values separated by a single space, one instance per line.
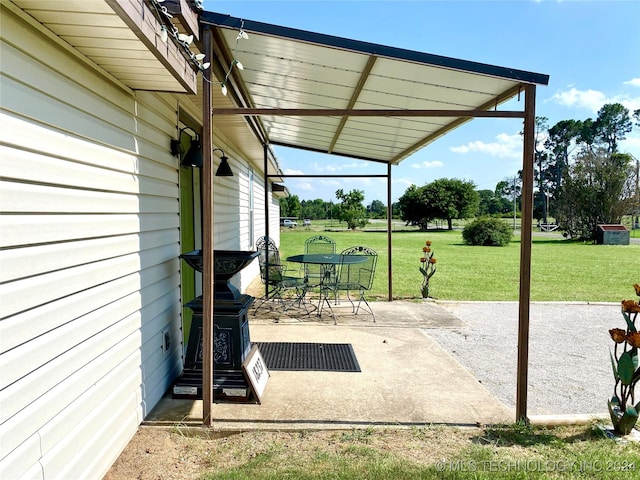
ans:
x=407 y=379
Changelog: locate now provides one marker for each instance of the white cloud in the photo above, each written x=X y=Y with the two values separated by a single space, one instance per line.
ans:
x=332 y=167
x=306 y=186
x=292 y=171
x=592 y=100
x=428 y=164
x=403 y=182
x=506 y=146
x=333 y=183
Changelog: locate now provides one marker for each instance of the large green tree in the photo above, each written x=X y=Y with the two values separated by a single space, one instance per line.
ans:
x=598 y=188
x=445 y=199
x=290 y=206
x=492 y=204
x=578 y=169
x=612 y=125
x=351 y=209
x=377 y=209
x=450 y=198
x=410 y=204
x=560 y=143
x=315 y=209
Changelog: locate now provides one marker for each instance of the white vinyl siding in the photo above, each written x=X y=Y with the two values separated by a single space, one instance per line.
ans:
x=231 y=214
x=89 y=269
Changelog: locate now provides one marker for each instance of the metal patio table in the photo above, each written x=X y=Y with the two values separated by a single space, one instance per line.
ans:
x=328 y=263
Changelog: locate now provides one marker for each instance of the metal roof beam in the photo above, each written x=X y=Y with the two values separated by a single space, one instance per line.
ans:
x=338 y=112
x=354 y=98
x=493 y=103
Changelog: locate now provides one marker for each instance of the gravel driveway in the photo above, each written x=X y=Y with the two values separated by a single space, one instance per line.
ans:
x=569 y=365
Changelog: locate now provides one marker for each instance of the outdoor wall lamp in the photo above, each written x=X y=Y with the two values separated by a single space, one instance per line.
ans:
x=224 y=170
x=193 y=158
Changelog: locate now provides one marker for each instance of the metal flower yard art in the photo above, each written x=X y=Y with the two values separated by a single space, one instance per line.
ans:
x=622 y=407
x=427 y=267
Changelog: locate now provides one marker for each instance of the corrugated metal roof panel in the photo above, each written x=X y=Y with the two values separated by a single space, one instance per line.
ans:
x=286 y=68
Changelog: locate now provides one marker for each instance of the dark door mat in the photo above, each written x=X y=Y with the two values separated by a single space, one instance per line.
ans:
x=328 y=357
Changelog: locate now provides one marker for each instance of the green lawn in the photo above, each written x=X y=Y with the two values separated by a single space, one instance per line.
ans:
x=430 y=452
x=561 y=270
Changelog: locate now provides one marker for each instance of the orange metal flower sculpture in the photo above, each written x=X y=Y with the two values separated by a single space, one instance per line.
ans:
x=622 y=407
x=427 y=268
x=618 y=335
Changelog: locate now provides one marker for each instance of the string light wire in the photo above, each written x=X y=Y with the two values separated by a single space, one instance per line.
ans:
x=242 y=35
x=184 y=41
x=181 y=40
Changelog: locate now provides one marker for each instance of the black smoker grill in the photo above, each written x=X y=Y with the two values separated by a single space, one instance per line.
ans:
x=231 y=338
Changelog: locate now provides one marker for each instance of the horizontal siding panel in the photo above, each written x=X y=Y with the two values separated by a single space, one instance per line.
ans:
x=66 y=366
x=23 y=462
x=90 y=238
x=125 y=378
x=168 y=316
x=20 y=98
x=94 y=458
x=154 y=138
x=96 y=128
x=79 y=448
x=37 y=168
x=152 y=106
x=18 y=230
x=24 y=198
x=158 y=384
x=161 y=304
x=74 y=95
x=25 y=135
x=158 y=308
x=21 y=328
x=112 y=443
x=105 y=356
x=17 y=263
x=109 y=440
x=18 y=296
x=159 y=316
x=28 y=357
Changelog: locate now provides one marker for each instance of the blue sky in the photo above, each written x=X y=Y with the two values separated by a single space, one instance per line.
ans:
x=590 y=49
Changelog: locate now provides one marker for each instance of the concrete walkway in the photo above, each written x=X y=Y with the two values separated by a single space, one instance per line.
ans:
x=406 y=379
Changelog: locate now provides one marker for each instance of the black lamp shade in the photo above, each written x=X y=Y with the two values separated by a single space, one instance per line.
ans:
x=224 y=170
x=193 y=158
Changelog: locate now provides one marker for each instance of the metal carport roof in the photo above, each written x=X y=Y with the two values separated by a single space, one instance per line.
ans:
x=337 y=83
x=357 y=99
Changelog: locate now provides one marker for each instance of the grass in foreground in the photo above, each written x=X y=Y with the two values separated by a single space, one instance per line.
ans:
x=512 y=451
x=561 y=270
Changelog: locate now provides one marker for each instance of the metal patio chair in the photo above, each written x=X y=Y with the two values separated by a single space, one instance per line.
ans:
x=317 y=244
x=279 y=285
x=357 y=277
